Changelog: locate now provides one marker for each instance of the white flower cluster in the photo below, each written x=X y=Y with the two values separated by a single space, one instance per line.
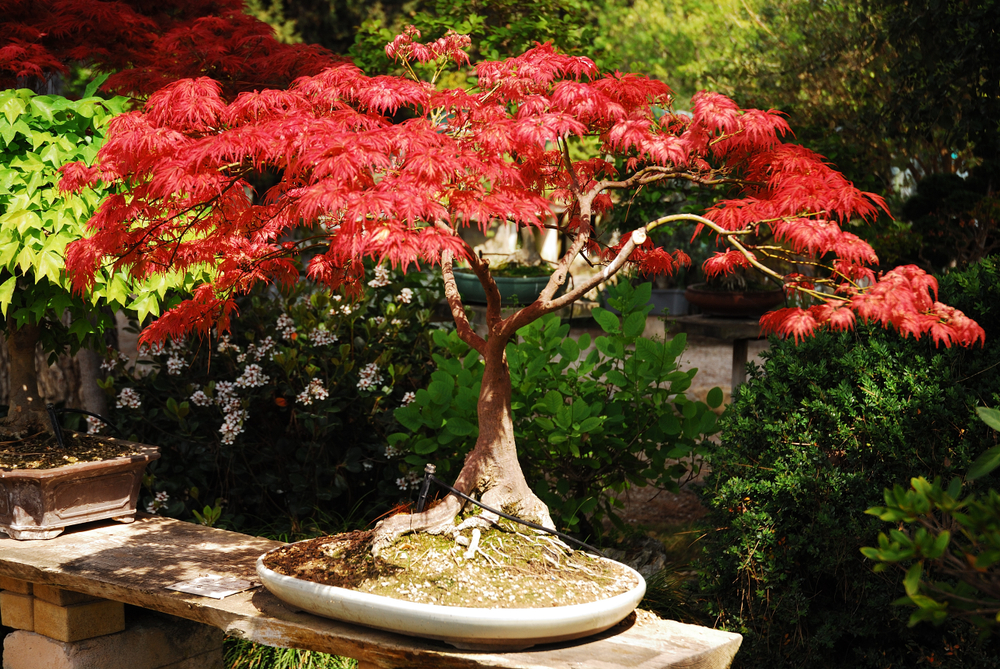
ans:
x=406 y=296
x=345 y=309
x=322 y=337
x=381 y=277
x=232 y=408
x=409 y=397
x=226 y=345
x=314 y=391
x=129 y=398
x=286 y=325
x=379 y=320
x=159 y=501
x=227 y=398
x=253 y=377
x=201 y=399
x=175 y=364
x=256 y=352
x=411 y=480
x=109 y=363
x=370 y=378
x=396 y=322
x=94 y=425
x=156 y=348
x=232 y=425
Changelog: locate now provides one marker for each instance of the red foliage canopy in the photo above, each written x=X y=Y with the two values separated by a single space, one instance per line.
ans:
x=364 y=185
x=149 y=43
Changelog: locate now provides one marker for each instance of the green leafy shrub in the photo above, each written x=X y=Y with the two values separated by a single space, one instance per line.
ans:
x=951 y=551
x=289 y=411
x=588 y=424
x=40 y=134
x=809 y=443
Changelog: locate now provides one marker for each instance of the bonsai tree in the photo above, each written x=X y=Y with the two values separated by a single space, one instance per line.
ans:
x=392 y=168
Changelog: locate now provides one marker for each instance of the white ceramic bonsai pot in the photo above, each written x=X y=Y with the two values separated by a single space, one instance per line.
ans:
x=466 y=628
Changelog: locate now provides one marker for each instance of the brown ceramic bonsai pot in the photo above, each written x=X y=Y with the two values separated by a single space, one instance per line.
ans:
x=41 y=503
x=735 y=304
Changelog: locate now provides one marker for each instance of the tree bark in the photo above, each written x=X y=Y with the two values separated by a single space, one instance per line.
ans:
x=26 y=408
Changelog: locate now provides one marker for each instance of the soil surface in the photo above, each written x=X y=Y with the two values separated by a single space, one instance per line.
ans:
x=42 y=450
x=502 y=568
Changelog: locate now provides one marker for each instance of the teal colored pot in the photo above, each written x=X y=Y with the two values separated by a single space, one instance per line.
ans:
x=514 y=290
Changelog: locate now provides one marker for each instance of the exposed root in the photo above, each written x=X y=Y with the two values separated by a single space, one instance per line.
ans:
x=439 y=519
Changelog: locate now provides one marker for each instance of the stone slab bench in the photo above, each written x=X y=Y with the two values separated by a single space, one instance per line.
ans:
x=133 y=565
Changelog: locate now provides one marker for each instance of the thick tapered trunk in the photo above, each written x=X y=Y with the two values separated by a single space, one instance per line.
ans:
x=26 y=410
x=491 y=471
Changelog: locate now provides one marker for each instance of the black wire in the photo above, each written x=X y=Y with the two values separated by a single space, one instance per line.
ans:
x=98 y=416
x=565 y=537
x=56 y=430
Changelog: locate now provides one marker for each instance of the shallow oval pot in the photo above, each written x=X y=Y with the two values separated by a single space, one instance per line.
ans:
x=466 y=628
x=41 y=503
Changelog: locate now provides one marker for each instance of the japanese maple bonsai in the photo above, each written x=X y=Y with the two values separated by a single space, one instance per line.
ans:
x=391 y=168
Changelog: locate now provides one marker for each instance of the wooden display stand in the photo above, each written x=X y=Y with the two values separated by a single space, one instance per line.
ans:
x=134 y=564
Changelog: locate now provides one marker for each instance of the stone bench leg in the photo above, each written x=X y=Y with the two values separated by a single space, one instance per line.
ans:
x=62 y=629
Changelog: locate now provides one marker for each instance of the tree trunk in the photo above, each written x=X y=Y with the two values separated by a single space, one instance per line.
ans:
x=26 y=408
x=491 y=469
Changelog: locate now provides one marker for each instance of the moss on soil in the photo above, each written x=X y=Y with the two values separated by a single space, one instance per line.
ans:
x=510 y=569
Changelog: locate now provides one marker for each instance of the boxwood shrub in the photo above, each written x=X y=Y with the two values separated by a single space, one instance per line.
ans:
x=811 y=441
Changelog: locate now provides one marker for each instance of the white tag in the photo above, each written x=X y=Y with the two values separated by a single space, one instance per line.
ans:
x=217 y=587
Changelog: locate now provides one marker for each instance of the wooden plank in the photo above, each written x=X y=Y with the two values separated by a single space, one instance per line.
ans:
x=134 y=564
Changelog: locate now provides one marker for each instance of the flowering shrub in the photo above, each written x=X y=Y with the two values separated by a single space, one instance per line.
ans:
x=289 y=410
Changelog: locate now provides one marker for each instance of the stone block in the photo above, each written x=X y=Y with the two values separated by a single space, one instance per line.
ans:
x=151 y=641
x=17 y=610
x=15 y=585
x=61 y=596
x=79 y=621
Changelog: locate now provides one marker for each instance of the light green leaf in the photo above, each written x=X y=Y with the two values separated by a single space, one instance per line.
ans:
x=48 y=265
x=42 y=106
x=7 y=294
x=11 y=105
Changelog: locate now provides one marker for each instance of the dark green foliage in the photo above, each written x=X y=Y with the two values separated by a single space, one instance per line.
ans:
x=311 y=435
x=809 y=444
x=588 y=424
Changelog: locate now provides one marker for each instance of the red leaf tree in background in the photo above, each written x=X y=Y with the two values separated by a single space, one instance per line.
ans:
x=357 y=182
x=146 y=44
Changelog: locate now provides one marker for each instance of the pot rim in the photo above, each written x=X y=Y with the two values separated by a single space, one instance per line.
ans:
x=148 y=453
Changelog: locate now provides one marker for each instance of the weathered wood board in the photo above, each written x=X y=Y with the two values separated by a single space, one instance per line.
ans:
x=135 y=563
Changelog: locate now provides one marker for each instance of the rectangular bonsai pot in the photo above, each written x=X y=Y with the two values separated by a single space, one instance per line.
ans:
x=41 y=503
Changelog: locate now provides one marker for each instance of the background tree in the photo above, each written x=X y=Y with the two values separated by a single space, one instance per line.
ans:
x=145 y=44
x=400 y=193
